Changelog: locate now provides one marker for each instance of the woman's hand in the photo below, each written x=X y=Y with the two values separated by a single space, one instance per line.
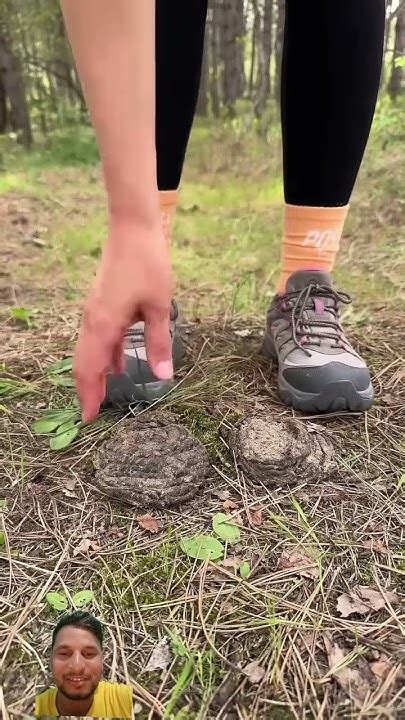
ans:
x=133 y=283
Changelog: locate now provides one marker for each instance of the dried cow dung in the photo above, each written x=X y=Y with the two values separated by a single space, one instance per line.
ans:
x=151 y=461
x=282 y=451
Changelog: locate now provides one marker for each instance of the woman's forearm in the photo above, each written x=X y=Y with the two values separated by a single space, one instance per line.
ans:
x=113 y=42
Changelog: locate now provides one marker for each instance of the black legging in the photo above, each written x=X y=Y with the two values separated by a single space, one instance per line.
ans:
x=330 y=76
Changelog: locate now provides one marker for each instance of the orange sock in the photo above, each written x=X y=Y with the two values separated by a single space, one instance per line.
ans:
x=168 y=204
x=311 y=239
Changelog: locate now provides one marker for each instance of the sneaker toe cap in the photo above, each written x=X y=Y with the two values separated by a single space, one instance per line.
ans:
x=315 y=379
x=132 y=385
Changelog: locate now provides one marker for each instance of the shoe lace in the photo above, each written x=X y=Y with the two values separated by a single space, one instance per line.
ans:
x=302 y=300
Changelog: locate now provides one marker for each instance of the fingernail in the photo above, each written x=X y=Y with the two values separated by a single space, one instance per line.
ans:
x=164 y=370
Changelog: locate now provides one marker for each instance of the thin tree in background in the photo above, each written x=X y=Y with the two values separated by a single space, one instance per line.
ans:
x=14 y=90
x=231 y=52
x=395 y=85
x=266 y=46
x=255 y=43
x=279 y=46
x=3 y=107
x=202 y=102
x=214 y=73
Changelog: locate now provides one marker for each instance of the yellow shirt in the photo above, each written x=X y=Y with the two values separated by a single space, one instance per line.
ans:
x=111 y=700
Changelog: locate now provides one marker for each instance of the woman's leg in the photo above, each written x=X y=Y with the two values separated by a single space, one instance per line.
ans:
x=330 y=77
x=180 y=29
x=331 y=69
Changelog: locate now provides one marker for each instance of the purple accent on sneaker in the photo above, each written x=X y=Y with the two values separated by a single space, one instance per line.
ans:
x=319 y=306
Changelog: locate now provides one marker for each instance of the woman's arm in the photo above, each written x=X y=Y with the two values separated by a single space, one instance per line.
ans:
x=113 y=43
x=114 y=47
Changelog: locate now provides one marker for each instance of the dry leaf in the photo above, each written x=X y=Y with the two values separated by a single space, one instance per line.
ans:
x=221 y=494
x=363 y=599
x=70 y=484
x=231 y=562
x=254 y=672
x=230 y=505
x=160 y=657
x=350 y=679
x=375 y=598
x=376 y=545
x=380 y=668
x=299 y=563
x=68 y=488
x=256 y=516
x=85 y=546
x=349 y=604
x=238 y=519
x=149 y=523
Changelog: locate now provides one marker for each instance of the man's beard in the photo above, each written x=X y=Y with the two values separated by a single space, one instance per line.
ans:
x=77 y=695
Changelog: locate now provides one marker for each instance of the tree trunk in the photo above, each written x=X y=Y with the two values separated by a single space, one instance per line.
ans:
x=255 y=45
x=83 y=106
x=279 y=46
x=202 y=102
x=3 y=107
x=214 y=78
x=388 y=19
x=266 y=46
x=395 y=85
x=230 y=45
x=240 y=47
x=15 y=91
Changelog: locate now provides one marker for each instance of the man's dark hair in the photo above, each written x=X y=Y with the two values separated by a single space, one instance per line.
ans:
x=80 y=619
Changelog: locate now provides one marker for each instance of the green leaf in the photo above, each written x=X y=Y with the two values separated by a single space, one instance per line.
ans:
x=225 y=528
x=57 y=601
x=15 y=388
x=59 y=381
x=401 y=483
x=202 y=547
x=46 y=425
x=3 y=502
x=399 y=62
x=2 y=539
x=62 y=415
x=183 y=681
x=66 y=426
x=245 y=570
x=22 y=315
x=63 y=439
x=4 y=409
x=82 y=598
x=63 y=366
x=178 y=646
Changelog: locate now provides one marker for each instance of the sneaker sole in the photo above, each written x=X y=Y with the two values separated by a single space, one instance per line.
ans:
x=336 y=396
x=123 y=391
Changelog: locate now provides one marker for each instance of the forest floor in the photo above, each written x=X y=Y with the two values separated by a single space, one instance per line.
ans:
x=311 y=659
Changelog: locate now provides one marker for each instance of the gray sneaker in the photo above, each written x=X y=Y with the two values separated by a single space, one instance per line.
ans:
x=137 y=383
x=318 y=368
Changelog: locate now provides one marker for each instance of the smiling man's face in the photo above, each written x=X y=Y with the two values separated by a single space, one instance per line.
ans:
x=77 y=663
